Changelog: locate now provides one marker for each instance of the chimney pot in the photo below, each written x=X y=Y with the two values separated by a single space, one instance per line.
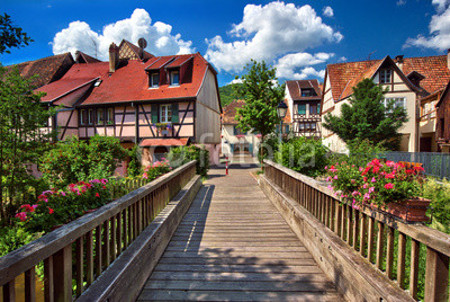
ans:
x=399 y=58
x=113 y=57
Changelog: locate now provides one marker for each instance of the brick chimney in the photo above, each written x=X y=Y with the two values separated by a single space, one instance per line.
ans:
x=113 y=57
x=448 y=58
x=399 y=61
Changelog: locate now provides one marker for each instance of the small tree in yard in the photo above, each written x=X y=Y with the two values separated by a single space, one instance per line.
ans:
x=262 y=96
x=367 y=118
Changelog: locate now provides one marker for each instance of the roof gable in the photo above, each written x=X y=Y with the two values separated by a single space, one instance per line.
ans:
x=129 y=51
x=295 y=89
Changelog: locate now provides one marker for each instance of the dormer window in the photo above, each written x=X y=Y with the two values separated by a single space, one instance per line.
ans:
x=306 y=92
x=175 y=78
x=385 y=76
x=154 y=80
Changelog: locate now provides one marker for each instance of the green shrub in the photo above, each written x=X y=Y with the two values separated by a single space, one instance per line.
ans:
x=439 y=194
x=135 y=164
x=178 y=156
x=73 y=160
x=269 y=147
x=13 y=238
x=304 y=155
x=362 y=152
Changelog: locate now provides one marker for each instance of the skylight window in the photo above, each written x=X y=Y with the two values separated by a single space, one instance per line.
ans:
x=97 y=83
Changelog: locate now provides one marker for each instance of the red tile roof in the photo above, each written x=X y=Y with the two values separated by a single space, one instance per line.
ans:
x=158 y=62
x=47 y=69
x=78 y=75
x=294 y=88
x=129 y=82
x=169 y=142
x=345 y=76
x=229 y=112
x=81 y=57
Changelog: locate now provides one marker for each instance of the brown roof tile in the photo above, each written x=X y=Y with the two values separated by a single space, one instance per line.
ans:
x=47 y=69
x=294 y=88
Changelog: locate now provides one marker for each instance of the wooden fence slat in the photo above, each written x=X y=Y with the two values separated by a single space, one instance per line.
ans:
x=49 y=289
x=113 y=239
x=106 y=241
x=79 y=265
x=436 y=276
x=89 y=258
x=414 y=273
x=401 y=260
x=30 y=285
x=9 y=291
x=370 y=238
x=98 y=250
x=390 y=252
x=62 y=274
x=380 y=245
x=362 y=235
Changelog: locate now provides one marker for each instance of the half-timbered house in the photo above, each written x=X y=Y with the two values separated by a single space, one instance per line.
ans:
x=154 y=102
x=410 y=82
x=303 y=98
x=443 y=120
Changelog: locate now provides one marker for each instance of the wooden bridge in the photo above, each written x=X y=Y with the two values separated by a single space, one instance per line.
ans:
x=284 y=239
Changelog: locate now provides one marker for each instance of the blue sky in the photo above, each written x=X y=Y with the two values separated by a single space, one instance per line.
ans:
x=298 y=37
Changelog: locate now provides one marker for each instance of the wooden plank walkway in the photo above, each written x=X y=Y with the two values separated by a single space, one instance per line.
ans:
x=233 y=245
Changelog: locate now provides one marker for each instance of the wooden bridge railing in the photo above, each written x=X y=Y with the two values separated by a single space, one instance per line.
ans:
x=380 y=239
x=81 y=250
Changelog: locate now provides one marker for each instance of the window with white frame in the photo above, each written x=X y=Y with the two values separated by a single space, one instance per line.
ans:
x=398 y=102
x=385 y=76
x=175 y=78
x=154 y=80
x=165 y=113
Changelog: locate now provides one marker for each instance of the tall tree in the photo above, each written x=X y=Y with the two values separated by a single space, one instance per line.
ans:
x=11 y=36
x=366 y=117
x=23 y=137
x=262 y=95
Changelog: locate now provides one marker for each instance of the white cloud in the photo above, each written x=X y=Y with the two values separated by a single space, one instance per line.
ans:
x=288 y=64
x=328 y=11
x=439 y=27
x=343 y=59
x=401 y=2
x=160 y=40
x=267 y=32
x=236 y=81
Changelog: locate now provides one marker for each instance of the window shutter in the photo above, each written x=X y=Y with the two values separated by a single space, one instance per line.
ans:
x=175 y=116
x=155 y=113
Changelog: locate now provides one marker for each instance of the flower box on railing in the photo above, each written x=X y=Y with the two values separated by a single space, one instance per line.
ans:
x=409 y=210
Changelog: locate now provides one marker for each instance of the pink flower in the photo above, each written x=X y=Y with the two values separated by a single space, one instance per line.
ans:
x=389 y=186
x=97 y=195
x=145 y=176
x=22 y=216
x=353 y=181
x=63 y=193
x=104 y=181
x=330 y=187
x=390 y=163
x=366 y=196
x=326 y=167
x=329 y=178
x=360 y=169
x=335 y=177
x=371 y=190
x=390 y=175
x=34 y=206
x=355 y=193
x=365 y=186
x=50 y=210
x=373 y=179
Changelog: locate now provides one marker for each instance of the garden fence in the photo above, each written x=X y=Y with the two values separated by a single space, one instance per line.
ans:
x=435 y=164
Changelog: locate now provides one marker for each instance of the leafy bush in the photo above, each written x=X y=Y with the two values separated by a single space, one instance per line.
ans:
x=439 y=194
x=178 y=156
x=362 y=152
x=269 y=147
x=135 y=164
x=73 y=160
x=157 y=169
x=13 y=238
x=305 y=155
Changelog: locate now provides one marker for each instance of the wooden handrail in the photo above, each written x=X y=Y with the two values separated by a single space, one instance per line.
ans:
x=376 y=236
x=99 y=236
